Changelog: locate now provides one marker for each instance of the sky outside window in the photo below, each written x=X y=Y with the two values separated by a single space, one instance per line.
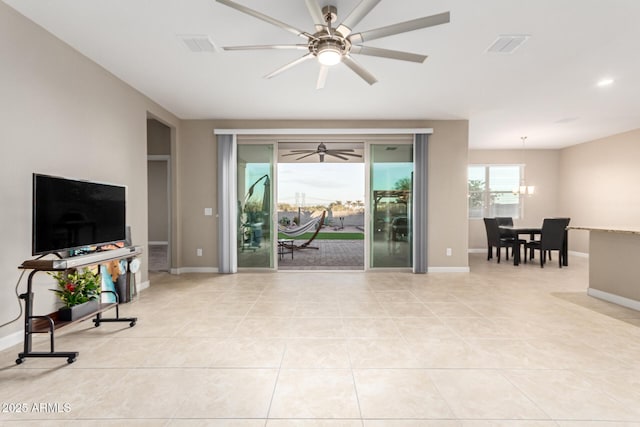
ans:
x=321 y=183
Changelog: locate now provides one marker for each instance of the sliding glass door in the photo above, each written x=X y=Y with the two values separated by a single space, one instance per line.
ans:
x=255 y=201
x=391 y=205
x=390 y=234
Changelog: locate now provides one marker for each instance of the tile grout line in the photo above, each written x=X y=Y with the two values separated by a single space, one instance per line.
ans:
x=502 y=374
x=275 y=384
x=353 y=376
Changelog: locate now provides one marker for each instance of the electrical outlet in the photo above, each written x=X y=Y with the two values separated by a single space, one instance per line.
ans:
x=448 y=251
x=199 y=252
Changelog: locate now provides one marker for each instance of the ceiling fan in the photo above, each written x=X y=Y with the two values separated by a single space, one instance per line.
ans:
x=321 y=151
x=334 y=45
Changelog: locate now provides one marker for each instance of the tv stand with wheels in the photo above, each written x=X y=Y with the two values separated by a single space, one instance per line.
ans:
x=41 y=324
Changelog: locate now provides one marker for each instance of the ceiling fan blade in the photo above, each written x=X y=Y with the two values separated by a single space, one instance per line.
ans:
x=268 y=46
x=310 y=154
x=289 y=65
x=356 y=15
x=387 y=53
x=402 y=27
x=357 y=68
x=298 y=153
x=322 y=76
x=344 y=150
x=335 y=155
x=266 y=18
x=316 y=14
x=343 y=154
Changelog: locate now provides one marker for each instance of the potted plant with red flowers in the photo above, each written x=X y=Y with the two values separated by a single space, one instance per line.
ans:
x=79 y=291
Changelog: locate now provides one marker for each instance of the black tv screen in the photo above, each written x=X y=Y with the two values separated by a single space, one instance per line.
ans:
x=71 y=214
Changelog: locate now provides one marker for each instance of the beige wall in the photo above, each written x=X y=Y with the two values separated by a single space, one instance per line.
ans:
x=447 y=198
x=448 y=149
x=598 y=182
x=197 y=183
x=542 y=169
x=62 y=115
x=158 y=138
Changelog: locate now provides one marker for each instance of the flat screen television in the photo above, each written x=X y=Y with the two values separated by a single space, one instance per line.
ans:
x=71 y=214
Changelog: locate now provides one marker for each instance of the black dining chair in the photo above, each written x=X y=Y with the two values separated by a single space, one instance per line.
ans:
x=504 y=220
x=494 y=240
x=508 y=222
x=552 y=238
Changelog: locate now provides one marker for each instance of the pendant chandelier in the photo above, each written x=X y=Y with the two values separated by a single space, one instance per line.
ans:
x=524 y=189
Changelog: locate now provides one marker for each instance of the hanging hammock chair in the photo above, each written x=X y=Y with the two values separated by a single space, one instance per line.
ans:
x=300 y=230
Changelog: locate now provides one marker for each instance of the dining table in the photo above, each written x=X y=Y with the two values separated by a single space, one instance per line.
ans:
x=517 y=231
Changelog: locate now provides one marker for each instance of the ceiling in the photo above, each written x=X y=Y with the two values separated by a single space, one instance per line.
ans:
x=545 y=90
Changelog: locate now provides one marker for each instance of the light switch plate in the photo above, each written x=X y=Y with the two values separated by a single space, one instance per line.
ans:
x=208 y=211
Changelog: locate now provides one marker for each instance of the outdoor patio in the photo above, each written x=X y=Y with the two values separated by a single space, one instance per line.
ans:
x=329 y=255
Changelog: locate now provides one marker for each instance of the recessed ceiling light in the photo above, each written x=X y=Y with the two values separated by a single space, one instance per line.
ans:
x=605 y=82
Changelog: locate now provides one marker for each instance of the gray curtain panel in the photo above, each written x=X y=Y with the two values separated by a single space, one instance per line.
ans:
x=420 y=199
x=227 y=209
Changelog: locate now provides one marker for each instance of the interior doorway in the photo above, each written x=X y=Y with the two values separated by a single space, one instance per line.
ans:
x=321 y=206
x=159 y=195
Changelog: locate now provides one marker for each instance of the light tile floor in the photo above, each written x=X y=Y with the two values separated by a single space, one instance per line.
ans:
x=500 y=346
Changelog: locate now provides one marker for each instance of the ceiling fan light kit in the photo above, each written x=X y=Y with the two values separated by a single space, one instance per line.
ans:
x=330 y=46
x=329 y=52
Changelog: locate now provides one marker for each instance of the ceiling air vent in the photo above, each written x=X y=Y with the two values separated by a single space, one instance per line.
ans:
x=508 y=43
x=198 y=42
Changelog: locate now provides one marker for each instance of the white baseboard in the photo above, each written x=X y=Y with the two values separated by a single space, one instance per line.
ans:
x=579 y=254
x=11 y=340
x=144 y=285
x=448 y=269
x=477 y=251
x=307 y=271
x=183 y=270
x=616 y=299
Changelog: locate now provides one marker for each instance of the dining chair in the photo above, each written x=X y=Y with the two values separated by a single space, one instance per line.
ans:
x=506 y=221
x=552 y=238
x=494 y=240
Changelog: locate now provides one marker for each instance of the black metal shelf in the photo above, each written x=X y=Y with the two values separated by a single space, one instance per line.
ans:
x=49 y=323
